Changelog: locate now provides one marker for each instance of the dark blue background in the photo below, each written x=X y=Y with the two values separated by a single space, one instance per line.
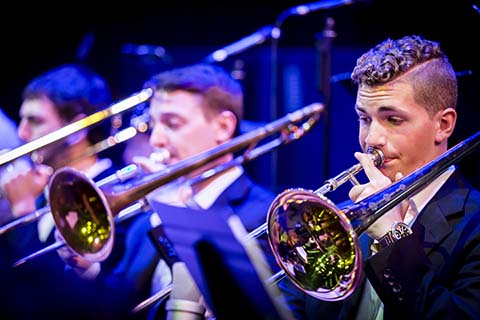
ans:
x=39 y=36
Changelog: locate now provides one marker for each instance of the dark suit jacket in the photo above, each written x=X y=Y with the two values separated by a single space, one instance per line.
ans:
x=432 y=274
x=243 y=198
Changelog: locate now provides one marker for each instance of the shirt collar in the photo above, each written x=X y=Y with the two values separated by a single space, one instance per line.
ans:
x=421 y=198
x=207 y=196
x=98 y=167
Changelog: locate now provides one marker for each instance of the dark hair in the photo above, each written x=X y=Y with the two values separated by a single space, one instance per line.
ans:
x=220 y=91
x=73 y=89
x=431 y=75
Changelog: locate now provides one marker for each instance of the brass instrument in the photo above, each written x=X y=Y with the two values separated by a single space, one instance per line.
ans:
x=84 y=212
x=316 y=243
x=333 y=183
x=138 y=124
x=120 y=176
x=330 y=185
x=95 y=118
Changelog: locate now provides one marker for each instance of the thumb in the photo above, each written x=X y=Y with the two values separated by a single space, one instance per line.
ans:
x=42 y=174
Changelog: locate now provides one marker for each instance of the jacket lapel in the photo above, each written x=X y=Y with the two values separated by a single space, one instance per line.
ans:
x=442 y=211
x=235 y=193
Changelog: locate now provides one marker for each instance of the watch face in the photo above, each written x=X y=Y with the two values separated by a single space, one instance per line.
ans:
x=401 y=230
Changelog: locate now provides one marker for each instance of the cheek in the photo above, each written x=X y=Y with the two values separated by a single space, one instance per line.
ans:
x=362 y=134
x=38 y=132
x=195 y=141
x=46 y=128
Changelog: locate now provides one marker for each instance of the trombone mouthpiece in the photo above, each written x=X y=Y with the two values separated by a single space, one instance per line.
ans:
x=160 y=156
x=377 y=156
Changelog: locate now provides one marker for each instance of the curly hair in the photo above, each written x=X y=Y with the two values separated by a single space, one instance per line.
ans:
x=423 y=63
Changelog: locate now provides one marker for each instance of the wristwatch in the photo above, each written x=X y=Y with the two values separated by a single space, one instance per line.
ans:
x=399 y=230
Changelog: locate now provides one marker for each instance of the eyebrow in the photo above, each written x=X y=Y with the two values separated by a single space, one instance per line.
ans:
x=381 y=109
x=32 y=117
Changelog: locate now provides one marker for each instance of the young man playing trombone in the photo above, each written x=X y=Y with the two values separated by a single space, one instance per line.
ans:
x=421 y=258
x=51 y=100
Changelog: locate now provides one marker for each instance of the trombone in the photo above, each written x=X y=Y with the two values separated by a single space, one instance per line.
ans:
x=120 y=176
x=330 y=185
x=333 y=183
x=316 y=243
x=74 y=127
x=84 y=213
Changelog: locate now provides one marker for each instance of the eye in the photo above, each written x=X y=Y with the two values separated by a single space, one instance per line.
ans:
x=395 y=120
x=34 y=121
x=173 y=123
x=363 y=120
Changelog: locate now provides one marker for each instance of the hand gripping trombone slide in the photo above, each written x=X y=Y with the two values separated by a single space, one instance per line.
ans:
x=84 y=213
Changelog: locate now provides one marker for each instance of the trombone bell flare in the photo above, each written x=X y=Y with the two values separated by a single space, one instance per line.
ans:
x=316 y=244
x=82 y=214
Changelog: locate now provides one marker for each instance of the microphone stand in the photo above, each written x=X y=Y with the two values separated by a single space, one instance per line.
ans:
x=256 y=38
x=299 y=10
x=324 y=62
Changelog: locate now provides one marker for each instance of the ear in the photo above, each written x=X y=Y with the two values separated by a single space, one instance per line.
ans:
x=226 y=124
x=446 y=123
x=80 y=135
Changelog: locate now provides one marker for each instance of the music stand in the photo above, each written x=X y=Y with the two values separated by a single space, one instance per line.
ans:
x=230 y=272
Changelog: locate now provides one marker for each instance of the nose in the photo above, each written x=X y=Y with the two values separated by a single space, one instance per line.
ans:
x=376 y=135
x=24 y=131
x=158 y=136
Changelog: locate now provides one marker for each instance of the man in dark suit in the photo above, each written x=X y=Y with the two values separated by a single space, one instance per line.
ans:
x=193 y=109
x=422 y=256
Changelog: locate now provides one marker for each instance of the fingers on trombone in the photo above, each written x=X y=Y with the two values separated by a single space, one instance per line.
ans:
x=354 y=181
x=372 y=172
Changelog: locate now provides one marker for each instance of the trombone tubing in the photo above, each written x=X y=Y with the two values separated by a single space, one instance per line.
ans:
x=145 y=184
x=126 y=173
x=76 y=126
x=186 y=166
x=132 y=171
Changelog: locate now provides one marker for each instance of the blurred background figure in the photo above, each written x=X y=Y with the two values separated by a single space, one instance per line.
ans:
x=10 y=140
x=52 y=100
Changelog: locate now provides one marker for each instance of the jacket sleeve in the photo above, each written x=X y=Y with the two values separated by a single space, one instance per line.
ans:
x=443 y=284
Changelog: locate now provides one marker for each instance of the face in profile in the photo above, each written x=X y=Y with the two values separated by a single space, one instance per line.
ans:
x=39 y=117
